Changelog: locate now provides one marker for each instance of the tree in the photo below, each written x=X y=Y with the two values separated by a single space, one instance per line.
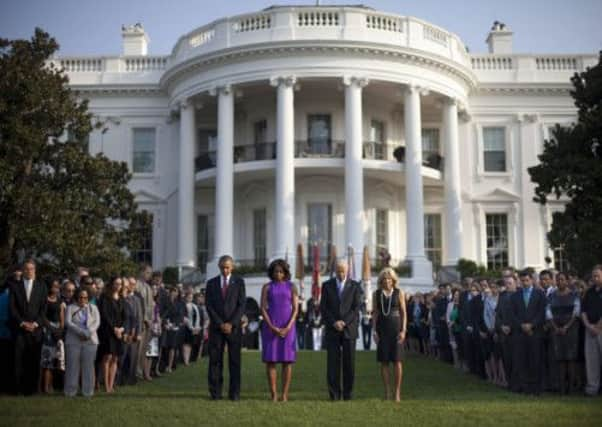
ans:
x=571 y=166
x=57 y=203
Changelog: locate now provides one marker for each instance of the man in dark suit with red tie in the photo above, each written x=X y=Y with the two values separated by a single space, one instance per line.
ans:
x=225 y=303
x=340 y=307
x=27 y=311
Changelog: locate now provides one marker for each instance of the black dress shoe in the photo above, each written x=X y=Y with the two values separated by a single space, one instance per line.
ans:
x=234 y=398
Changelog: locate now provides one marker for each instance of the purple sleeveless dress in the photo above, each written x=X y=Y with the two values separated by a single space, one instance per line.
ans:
x=274 y=348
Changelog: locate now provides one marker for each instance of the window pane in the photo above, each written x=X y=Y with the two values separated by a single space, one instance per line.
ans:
x=319 y=223
x=144 y=150
x=497 y=241
x=259 y=236
x=319 y=133
x=495 y=161
x=377 y=131
x=494 y=139
x=144 y=253
x=204 y=241
x=382 y=229
x=432 y=238
x=430 y=141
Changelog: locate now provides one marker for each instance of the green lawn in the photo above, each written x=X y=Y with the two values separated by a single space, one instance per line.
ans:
x=433 y=394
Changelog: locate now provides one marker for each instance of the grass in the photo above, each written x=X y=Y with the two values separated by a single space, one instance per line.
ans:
x=433 y=394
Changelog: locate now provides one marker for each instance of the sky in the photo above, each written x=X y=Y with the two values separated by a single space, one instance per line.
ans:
x=93 y=27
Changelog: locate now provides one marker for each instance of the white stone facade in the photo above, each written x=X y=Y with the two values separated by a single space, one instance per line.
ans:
x=307 y=105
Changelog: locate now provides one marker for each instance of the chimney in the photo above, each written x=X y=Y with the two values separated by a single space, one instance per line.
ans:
x=135 y=40
x=499 y=39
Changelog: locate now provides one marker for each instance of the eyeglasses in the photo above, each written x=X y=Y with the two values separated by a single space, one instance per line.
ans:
x=83 y=298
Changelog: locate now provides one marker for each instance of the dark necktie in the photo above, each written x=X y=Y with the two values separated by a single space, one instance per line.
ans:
x=225 y=287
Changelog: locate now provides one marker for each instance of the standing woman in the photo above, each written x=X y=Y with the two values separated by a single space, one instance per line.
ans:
x=82 y=321
x=112 y=318
x=390 y=326
x=563 y=311
x=279 y=307
x=174 y=323
x=53 y=348
x=193 y=328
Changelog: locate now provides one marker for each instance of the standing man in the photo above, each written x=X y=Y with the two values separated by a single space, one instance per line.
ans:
x=528 y=318
x=503 y=324
x=144 y=288
x=225 y=302
x=27 y=310
x=591 y=314
x=340 y=306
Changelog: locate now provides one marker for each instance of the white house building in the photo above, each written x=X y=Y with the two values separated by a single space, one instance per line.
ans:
x=265 y=130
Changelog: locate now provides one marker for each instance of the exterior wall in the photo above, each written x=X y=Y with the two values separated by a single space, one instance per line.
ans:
x=526 y=94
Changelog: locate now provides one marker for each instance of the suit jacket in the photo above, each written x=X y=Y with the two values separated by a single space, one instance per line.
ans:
x=73 y=322
x=503 y=312
x=533 y=313
x=228 y=310
x=32 y=311
x=346 y=308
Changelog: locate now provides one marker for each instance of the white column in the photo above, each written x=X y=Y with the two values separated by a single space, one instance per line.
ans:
x=453 y=217
x=284 y=207
x=186 y=241
x=421 y=266
x=354 y=173
x=224 y=176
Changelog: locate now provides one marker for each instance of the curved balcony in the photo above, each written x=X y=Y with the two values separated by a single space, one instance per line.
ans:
x=305 y=149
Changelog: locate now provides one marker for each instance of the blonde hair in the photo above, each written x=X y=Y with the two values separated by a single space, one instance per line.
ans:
x=387 y=271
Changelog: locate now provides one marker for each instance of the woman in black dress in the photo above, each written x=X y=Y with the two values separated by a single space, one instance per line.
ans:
x=562 y=313
x=174 y=323
x=110 y=333
x=53 y=350
x=390 y=323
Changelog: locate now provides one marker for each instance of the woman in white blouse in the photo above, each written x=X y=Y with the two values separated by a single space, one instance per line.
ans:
x=192 y=322
x=81 y=341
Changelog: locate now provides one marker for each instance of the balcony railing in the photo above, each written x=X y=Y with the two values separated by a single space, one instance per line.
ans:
x=314 y=149
x=306 y=149
x=375 y=150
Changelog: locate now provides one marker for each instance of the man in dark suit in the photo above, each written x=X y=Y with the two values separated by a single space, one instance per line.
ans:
x=503 y=325
x=340 y=306
x=225 y=302
x=27 y=311
x=528 y=317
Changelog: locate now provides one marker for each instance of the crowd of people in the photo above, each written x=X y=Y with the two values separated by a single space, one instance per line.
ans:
x=528 y=332
x=81 y=334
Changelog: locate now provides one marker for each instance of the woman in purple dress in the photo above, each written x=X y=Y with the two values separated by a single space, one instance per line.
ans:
x=279 y=302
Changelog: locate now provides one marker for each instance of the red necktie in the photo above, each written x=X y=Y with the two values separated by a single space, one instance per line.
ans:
x=225 y=287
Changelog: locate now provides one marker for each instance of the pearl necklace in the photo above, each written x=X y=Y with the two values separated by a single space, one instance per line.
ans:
x=382 y=303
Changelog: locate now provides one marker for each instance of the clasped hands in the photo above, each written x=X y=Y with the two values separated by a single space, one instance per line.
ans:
x=527 y=328
x=29 y=326
x=226 y=328
x=339 y=325
x=281 y=332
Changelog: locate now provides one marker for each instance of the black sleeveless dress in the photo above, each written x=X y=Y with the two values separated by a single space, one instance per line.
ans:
x=388 y=326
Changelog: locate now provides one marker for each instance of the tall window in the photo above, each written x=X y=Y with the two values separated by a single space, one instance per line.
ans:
x=259 y=236
x=319 y=133
x=260 y=131
x=204 y=245
x=382 y=230
x=144 y=150
x=494 y=149
x=430 y=142
x=432 y=238
x=560 y=261
x=144 y=252
x=377 y=138
x=206 y=158
x=497 y=241
x=319 y=223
